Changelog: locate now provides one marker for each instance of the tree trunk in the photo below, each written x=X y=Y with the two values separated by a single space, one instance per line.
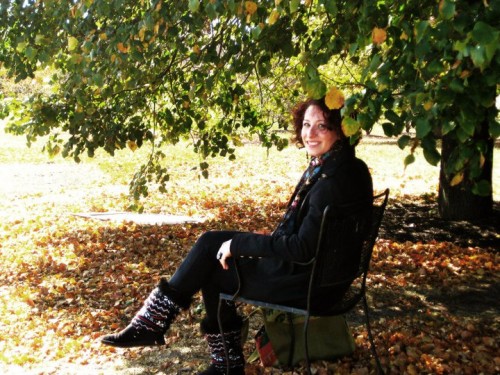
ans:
x=458 y=202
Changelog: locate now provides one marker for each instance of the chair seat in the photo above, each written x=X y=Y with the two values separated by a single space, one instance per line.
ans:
x=267 y=305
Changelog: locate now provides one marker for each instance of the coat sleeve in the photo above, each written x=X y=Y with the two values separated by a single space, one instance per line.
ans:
x=297 y=247
x=352 y=182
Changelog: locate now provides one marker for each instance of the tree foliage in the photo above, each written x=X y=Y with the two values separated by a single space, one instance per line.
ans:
x=127 y=72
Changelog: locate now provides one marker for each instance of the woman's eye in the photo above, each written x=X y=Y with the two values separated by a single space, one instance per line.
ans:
x=322 y=127
x=306 y=125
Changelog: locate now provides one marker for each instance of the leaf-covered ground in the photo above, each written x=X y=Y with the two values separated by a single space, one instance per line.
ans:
x=65 y=281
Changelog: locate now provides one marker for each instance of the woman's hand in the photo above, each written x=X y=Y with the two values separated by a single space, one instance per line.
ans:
x=224 y=253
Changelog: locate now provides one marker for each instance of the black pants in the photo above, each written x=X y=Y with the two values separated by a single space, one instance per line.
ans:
x=201 y=270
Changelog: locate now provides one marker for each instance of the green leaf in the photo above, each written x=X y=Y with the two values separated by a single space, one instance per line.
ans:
x=331 y=7
x=461 y=46
x=409 y=159
x=467 y=125
x=365 y=120
x=423 y=127
x=420 y=98
x=194 y=5
x=435 y=67
x=448 y=126
x=403 y=141
x=478 y=56
x=457 y=85
x=392 y=116
x=420 y=30
x=256 y=32
x=422 y=49
x=31 y=53
x=432 y=156
x=484 y=33
x=494 y=129
x=482 y=188
x=491 y=49
x=211 y=11
x=21 y=47
x=388 y=129
x=447 y=9
x=315 y=88
x=294 y=5
x=461 y=135
x=374 y=63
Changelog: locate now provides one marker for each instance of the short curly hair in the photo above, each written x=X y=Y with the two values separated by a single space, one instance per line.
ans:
x=332 y=116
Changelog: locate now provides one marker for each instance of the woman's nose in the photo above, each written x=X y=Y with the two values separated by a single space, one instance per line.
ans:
x=311 y=131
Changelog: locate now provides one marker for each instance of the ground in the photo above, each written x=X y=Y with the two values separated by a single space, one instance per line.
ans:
x=433 y=287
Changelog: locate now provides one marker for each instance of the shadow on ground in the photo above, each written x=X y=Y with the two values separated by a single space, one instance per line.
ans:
x=419 y=221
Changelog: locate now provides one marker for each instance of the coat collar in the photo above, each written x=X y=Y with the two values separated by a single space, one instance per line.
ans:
x=331 y=164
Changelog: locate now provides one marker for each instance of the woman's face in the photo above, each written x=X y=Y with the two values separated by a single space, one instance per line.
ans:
x=316 y=136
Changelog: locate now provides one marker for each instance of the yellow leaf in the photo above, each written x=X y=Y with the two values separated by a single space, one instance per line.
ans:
x=122 y=48
x=482 y=159
x=196 y=49
x=458 y=178
x=378 y=36
x=142 y=32
x=273 y=17
x=72 y=43
x=428 y=105
x=403 y=36
x=250 y=7
x=334 y=99
x=103 y=36
x=132 y=145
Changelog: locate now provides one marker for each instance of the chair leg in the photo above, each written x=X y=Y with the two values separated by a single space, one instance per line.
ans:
x=221 y=330
x=380 y=371
x=292 y=339
x=306 y=346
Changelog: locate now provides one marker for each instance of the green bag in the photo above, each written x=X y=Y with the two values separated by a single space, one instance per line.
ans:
x=328 y=338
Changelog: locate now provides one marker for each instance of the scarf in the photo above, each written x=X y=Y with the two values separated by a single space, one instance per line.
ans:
x=307 y=181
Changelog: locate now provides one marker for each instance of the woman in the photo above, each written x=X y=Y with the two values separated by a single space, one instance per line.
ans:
x=271 y=267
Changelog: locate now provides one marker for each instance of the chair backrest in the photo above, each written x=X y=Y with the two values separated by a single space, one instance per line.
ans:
x=343 y=254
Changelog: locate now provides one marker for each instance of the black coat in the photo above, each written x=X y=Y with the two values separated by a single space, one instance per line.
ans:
x=274 y=268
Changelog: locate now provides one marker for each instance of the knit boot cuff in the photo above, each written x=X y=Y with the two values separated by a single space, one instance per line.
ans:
x=209 y=326
x=178 y=298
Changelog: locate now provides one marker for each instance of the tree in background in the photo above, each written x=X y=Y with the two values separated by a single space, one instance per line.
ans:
x=126 y=72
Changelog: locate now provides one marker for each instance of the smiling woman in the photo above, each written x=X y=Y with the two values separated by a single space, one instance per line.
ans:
x=273 y=267
x=317 y=135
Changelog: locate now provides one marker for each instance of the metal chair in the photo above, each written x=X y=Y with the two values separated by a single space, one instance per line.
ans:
x=339 y=269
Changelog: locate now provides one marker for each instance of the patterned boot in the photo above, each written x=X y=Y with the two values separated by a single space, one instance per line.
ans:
x=150 y=324
x=233 y=342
